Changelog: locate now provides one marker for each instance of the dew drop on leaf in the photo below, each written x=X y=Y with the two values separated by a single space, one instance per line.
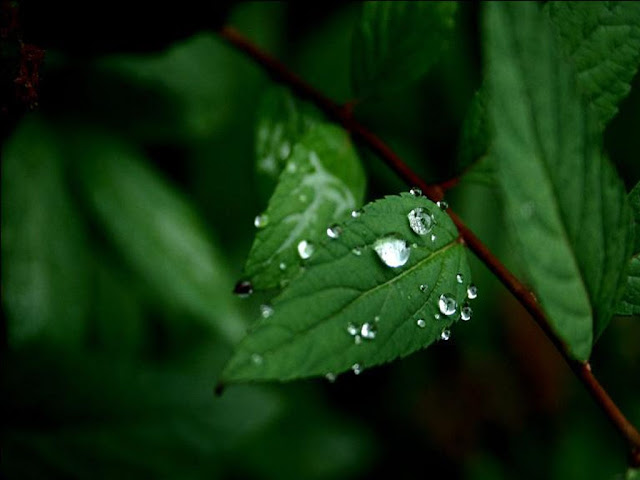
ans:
x=243 y=288
x=305 y=249
x=355 y=213
x=424 y=287
x=261 y=221
x=357 y=368
x=352 y=329
x=421 y=323
x=465 y=313
x=433 y=237
x=393 y=251
x=442 y=204
x=447 y=304
x=446 y=334
x=369 y=331
x=331 y=377
x=257 y=359
x=266 y=310
x=416 y=192
x=357 y=251
x=437 y=316
x=420 y=221
x=472 y=291
x=459 y=278
x=334 y=231
x=283 y=266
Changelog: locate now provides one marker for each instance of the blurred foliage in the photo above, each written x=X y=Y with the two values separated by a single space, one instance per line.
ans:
x=127 y=214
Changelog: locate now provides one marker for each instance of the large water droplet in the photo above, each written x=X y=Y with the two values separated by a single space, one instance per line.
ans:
x=465 y=313
x=393 y=251
x=355 y=213
x=369 y=331
x=472 y=291
x=459 y=278
x=442 y=204
x=424 y=287
x=266 y=310
x=416 y=192
x=421 y=323
x=446 y=334
x=420 y=221
x=261 y=221
x=305 y=249
x=257 y=359
x=357 y=368
x=447 y=304
x=334 y=231
x=243 y=288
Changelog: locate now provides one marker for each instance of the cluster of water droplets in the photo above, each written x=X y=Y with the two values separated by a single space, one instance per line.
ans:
x=366 y=331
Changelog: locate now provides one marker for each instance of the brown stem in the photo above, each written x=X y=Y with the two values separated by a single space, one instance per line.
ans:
x=280 y=73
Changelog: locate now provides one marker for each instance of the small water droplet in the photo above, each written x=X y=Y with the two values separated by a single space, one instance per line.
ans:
x=369 y=331
x=433 y=237
x=357 y=251
x=243 y=288
x=357 y=368
x=414 y=245
x=305 y=249
x=355 y=213
x=424 y=287
x=352 y=329
x=334 y=231
x=459 y=278
x=261 y=221
x=392 y=250
x=357 y=339
x=266 y=310
x=442 y=204
x=472 y=291
x=446 y=334
x=283 y=266
x=303 y=198
x=421 y=323
x=447 y=304
x=466 y=313
x=437 y=316
x=416 y=192
x=331 y=377
x=420 y=221
x=376 y=318
x=257 y=359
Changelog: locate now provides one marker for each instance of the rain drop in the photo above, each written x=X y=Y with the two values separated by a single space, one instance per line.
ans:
x=459 y=278
x=472 y=292
x=421 y=323
x=357 y=339
x=357 y=368
x=446 y=334
x=261 y=221
x=433 y=237
x=376 y=318
x=447 y=304
x=266 y=310
x=331 y=377
x=357 y=251
x=283 y=266
x=416 y=192
x=393 y=251
x=442 y=204
x=257 y=359
x=465 y=313
x=437 y=316
x=419 y=221
x=355 y=213
x=305 y=249
x=424 y=287
x=369 y=331
x=334 y=231
x=352 y=329
x=243 y=288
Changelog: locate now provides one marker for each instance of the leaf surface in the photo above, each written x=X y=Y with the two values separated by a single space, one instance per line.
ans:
x=630 y=303
x=346 y=286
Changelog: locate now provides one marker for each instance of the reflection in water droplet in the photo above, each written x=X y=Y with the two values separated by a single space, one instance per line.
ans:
x=257 y=359
x=392 y=250
x=442 y=204
x=465 y=313
x=446 y=334
x=459 y=278
x=416 y=192
x=421 y=323
x=357 y=368
x=331 y=377
x=334 y=231
x=261 y=221
x=357 y=251
x=369 y=331
x=243 y=288
x=472 y=291
x=447 y=304
x=419 y=221
x=424 y=287
x=355 y=213
x=305 y=249
x=266 y=310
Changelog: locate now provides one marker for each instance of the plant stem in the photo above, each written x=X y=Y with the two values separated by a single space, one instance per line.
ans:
x=280 y=73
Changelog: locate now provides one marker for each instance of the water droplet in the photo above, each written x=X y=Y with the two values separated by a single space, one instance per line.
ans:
x=357 y=251
x=243 y=288
x=447 y=304
x=437 y=316
x=459 y=278
x=433 y=237
x=355 y=213
x=266 y=310
x=419 y=221
x=357 y=368
x=305 y=249
x=261 y=221
x=357 y=339
x=442 y=204
x=465 y=313
x=421 y=323
x=446 y=334
x=369 y=331
x=303 y=198
x=352 y=329
x=257 y=359
x=414 y=245
x=472 y=292
x=334 y=231
x=331 y=377
x=416 y=192
x=283 y=266
x=376 y=318
x=393 y=251
x=424 y=287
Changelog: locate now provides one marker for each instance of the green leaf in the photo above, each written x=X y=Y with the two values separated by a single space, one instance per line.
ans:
x=603 y=41
x=630 y=303
x=633 y=474
x=45 y=262
x=322 y=183
x=565 y=205
x=157 y=231
x=395 y=43
x=346 y=282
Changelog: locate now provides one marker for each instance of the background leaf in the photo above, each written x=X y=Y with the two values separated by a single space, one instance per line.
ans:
x=603 y=41
x=322 y=184
x=630 y=303
x=345 y=282
x=45 y=267
x=396 y=43
x=558 y=188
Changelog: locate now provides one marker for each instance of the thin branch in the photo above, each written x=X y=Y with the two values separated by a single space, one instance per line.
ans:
x=280 y=73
